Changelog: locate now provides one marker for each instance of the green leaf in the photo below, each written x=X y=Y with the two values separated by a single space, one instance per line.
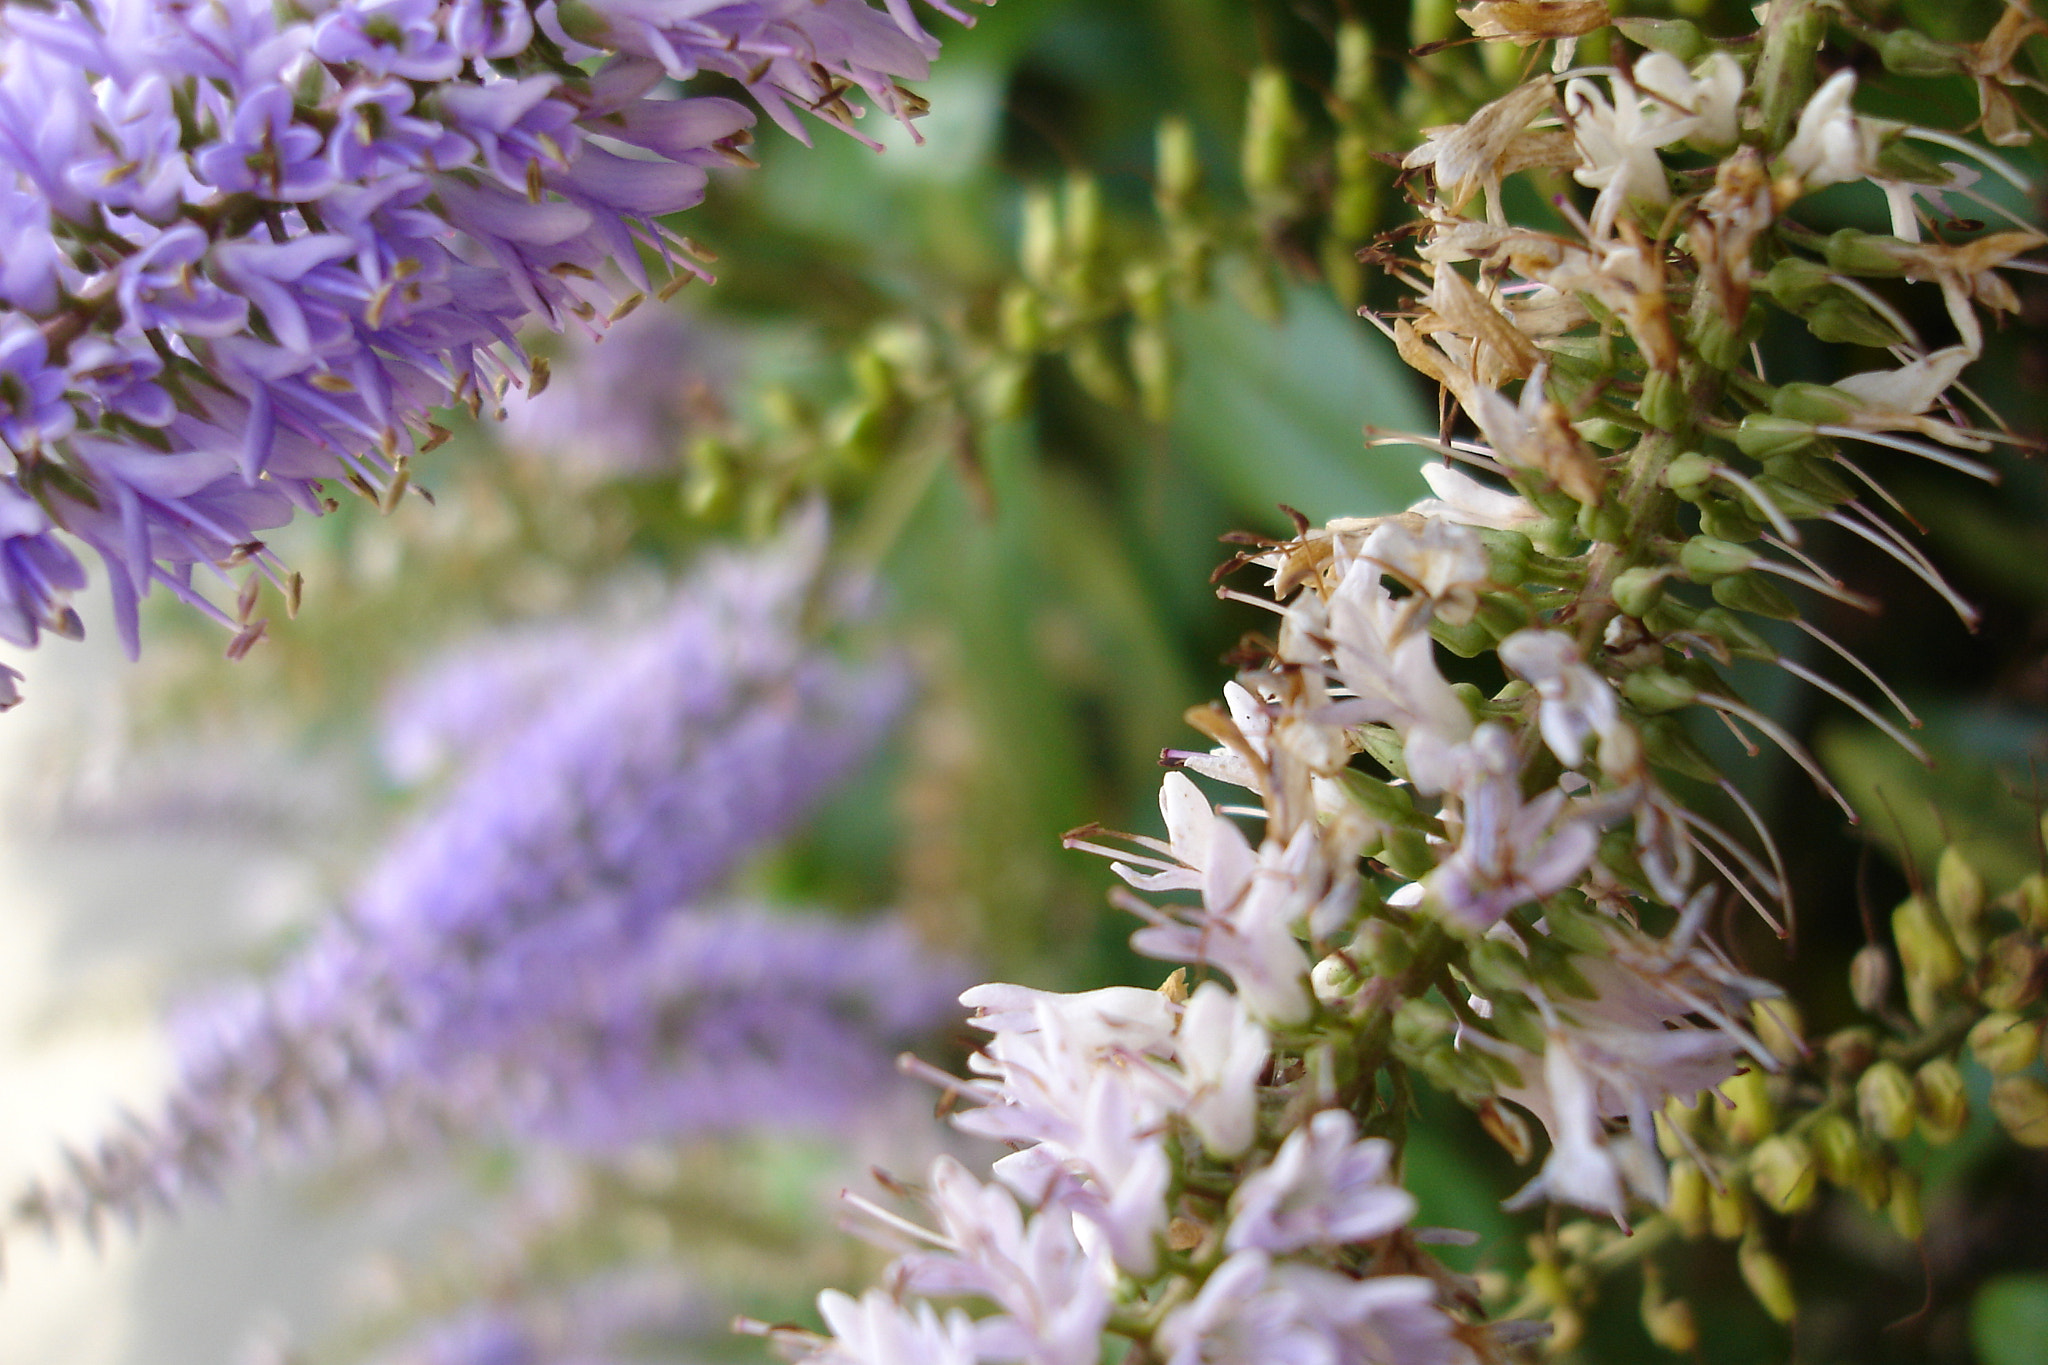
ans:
x=2009 y=1321
x=1276 y=414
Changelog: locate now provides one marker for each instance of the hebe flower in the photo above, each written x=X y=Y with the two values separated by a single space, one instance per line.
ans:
x=302 y=229
x=525 y=956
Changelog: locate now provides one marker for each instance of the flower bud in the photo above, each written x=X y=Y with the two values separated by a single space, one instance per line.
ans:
x=1758 y=597
x=1687 y=474
x=1654 y=690
x=1925 y=947
x=1705 y=558
x=2021 y=1103
x=1816 y=404
x=1178 y=174
x=1664 y=404
x=1766 y=1277
x=1853 y=252
x=1022 y=319
x=1272 y=128
x=1669 y=1322
x=1605 y=433
x=1884 y=1101
x=1749 y=1116
x=1797 y=283
x=1779 y=1028
x=1837 y=1148
x=2015 y=969
x=1848 y=321
x=1637 y=590
x=1870 y=978
x=1039 y=247
x=1762 y=437
x=1679 y=37
x=1903 y=1207
x=1944 y=1101
x=1151 y=360
x=2029 y=900
x=1784 y=1174
x=1959 y=892
x=1688 y=1199
x=1908 y=52
x=2005 y=1044
x=1727 y=1210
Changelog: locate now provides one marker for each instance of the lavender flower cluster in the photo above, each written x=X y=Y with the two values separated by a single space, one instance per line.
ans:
x=525 y=959
x=246 y=249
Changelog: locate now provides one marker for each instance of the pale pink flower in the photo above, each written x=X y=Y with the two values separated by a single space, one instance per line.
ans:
x=1325 y=1187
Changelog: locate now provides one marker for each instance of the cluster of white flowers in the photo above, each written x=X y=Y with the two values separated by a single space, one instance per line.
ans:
x=1493 y=890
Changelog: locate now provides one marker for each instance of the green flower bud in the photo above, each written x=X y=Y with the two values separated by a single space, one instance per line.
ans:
x=1679 y=37
x=1081 y=223
x=1926 y=948
x=1382 y=948
x=1178 y=173
x=1718 y=339
x=1355 y=197
x=1431 y=21
x=1766 y=1277
x=584 y=22
x=1884 y=1101
x=1509 y=556
x=1959 y=891
x=2005 y=1044
x=1705 y=558
x=2021 y=1103
x=1039 y=247
x=1669 y=1322
x=1870 y=978
x=1353 y=85
x=2029 y=901
x=1761 y=437
x=1797 y=284
x=1944 y=1101
x=1757 y=596
x=1466 y=639
x=2013 y=972
x=1609 y=435
x=1725 y=520
x=1004 y=393
x=1421 y=1024
x=1733 y=631
x=1688 y=1198
x=1837 y=1148
x=1664 y=404
x=1908 y=52
x=1903 y=1207
x=1272 y=130
x=1687 y=474
x=1637 y=590
x=1408 y=854
x=1605 y=522
x=1784 y=1174
x=1728 y=1214
x=1151 y=360
x=1851 y=252
x=1849 y=321
x=1022 y=319
x=1095 y=368
x=1816 y=404
x=1749 y=1116
x=1654 y=690
x=1779 y=1028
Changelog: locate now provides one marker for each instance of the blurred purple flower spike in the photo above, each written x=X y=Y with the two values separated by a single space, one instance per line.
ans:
x=525 y=959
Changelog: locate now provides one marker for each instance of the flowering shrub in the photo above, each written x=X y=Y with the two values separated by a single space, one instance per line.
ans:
x=1458 y=836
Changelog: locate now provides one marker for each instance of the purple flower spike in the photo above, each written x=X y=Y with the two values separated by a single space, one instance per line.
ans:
x=323 y=227
x=527 y=958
